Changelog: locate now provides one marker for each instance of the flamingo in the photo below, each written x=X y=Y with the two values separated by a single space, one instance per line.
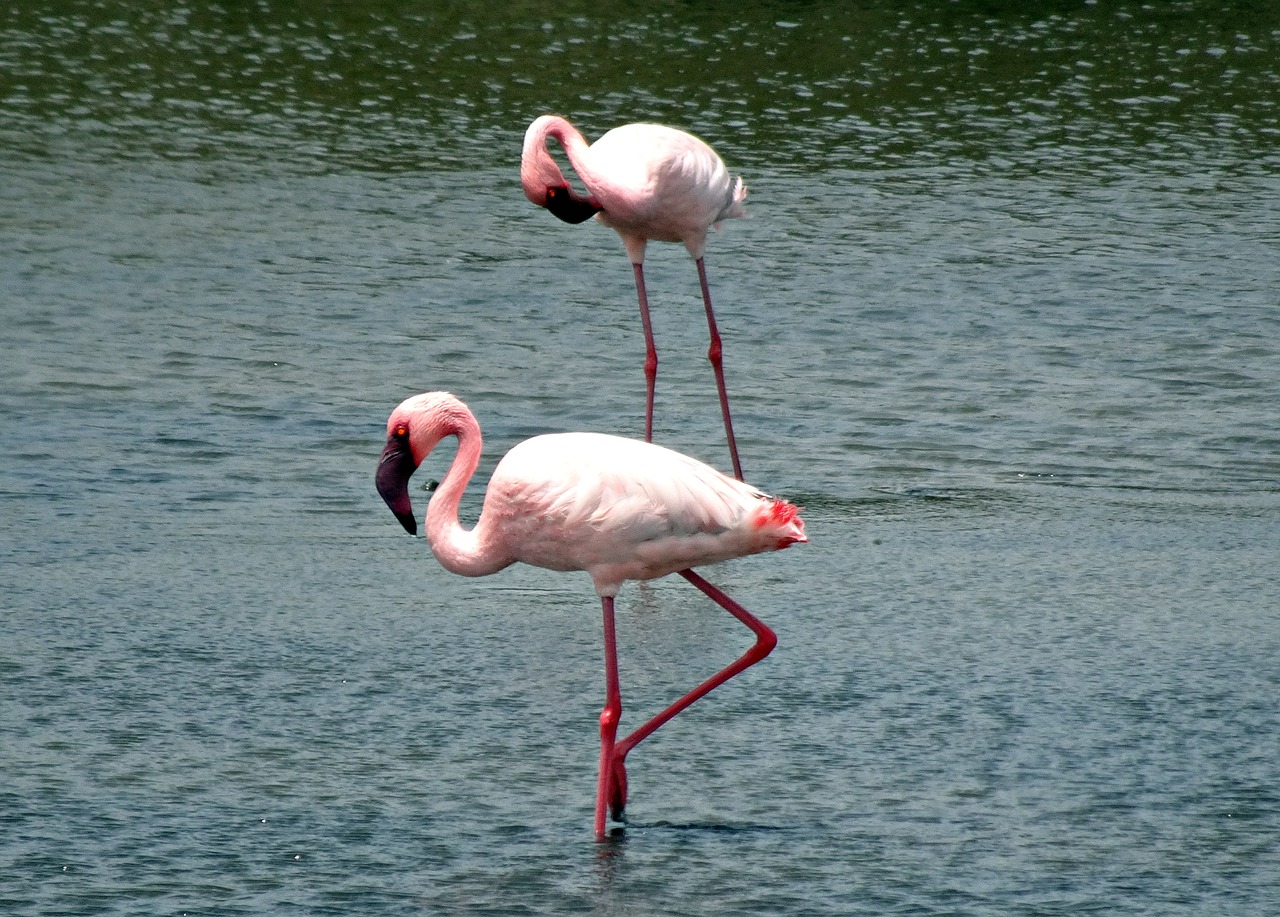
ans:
x=618 y=509
x=646 y=181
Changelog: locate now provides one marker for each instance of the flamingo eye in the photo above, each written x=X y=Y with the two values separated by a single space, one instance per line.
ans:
x=402 y=430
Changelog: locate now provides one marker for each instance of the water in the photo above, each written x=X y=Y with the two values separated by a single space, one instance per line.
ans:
x=1004 y=320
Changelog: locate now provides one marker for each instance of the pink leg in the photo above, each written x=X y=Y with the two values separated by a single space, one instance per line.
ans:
x=766 y=640
x=609 y=716
x=650 y=352
x=717 y=364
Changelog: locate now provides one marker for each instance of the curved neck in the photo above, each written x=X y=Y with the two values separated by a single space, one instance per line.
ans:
x=536 y=161
x=570 y=138
x=469 y=553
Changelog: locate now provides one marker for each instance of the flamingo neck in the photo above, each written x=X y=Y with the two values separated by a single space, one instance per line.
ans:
x=471 y=552
x=575 y=145
x=539 y=170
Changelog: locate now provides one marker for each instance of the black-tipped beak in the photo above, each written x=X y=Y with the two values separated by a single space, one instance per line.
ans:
x=570 y=206
x=395 y=467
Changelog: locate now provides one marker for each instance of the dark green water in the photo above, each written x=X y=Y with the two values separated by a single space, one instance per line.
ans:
x=1007 y=87
x=1003 y=319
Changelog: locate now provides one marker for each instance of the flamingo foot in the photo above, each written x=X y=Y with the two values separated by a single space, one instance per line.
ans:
x=618 y=790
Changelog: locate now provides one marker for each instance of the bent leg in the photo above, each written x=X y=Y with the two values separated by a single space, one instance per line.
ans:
x=766 y=640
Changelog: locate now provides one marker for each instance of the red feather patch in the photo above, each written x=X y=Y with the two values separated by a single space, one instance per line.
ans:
x=781 y=514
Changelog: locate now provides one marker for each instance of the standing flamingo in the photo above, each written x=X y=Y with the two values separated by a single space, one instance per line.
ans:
x=646 y=181
x=617 y=508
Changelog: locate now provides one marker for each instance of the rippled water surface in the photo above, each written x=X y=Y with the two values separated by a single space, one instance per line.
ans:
x=1004 y=320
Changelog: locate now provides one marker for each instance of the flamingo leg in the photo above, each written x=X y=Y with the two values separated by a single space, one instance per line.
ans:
x=609 y=718
x=766 y=640
x=650 y=351
x=714 y=354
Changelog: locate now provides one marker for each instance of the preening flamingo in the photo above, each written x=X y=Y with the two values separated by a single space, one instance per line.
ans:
x=646 y=181
x=620 y=509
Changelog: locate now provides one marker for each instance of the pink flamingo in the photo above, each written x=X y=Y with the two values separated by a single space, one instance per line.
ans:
x=646 y=181
x=620 y=509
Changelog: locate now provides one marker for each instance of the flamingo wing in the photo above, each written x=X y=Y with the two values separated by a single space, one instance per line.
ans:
x=623 y=509
x=659 y=182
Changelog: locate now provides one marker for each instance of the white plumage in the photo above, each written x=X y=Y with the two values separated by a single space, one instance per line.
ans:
x=618 y=508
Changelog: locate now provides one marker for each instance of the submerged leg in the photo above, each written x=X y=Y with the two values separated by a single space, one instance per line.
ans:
x=609 y=717
x=714 y=354
x=766 y=640
x=650 y=352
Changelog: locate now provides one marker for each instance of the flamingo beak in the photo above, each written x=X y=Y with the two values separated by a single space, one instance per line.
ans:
x=570 y=206
x=395 y=467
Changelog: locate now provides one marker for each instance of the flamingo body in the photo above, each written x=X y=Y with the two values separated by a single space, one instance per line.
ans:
x=616 y=508
x=646 y=181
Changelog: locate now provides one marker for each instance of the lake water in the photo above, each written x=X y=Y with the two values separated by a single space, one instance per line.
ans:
x=1004 y=320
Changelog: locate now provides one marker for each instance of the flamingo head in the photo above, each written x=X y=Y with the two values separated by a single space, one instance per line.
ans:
x=558 y=196
x=414 y=429
x=395 y=467
x=540 y=177
x=570 y=206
